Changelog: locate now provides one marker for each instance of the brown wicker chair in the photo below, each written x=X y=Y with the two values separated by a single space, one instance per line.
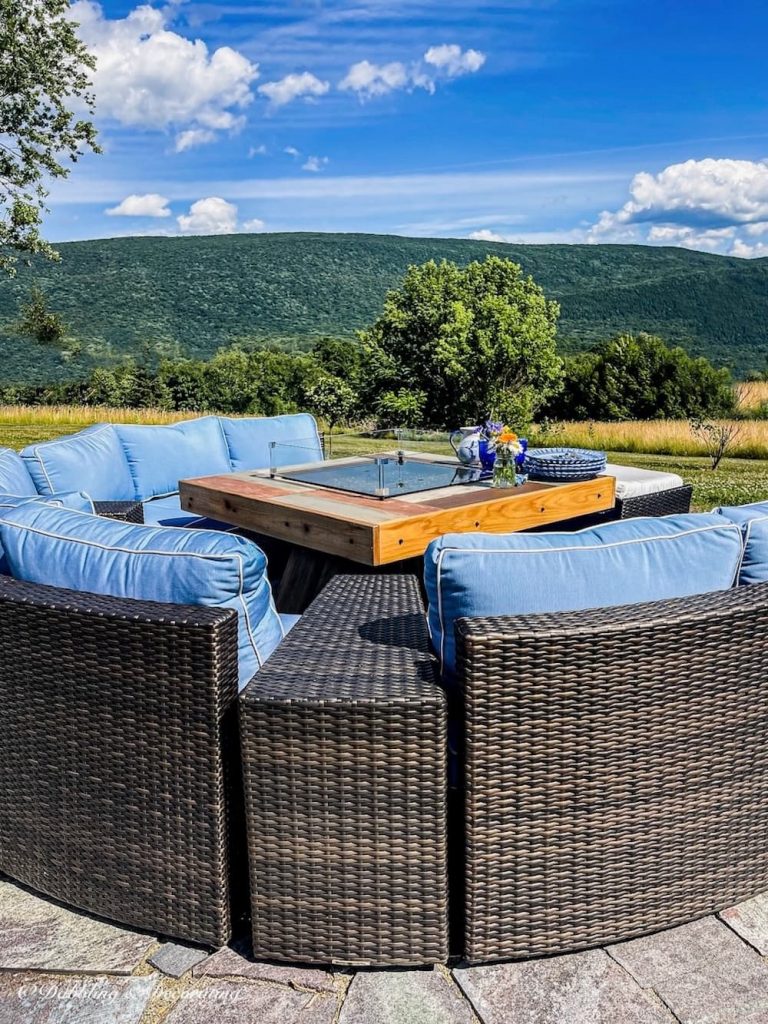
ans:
x=119 y=773
x=616 y=779
x=344 y=750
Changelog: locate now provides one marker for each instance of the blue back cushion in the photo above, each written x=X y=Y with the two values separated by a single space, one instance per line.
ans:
x=189 y=567
x=75 y=500
x=91 y=461
x=159 y=457
x=249 y=441
x=14 y=475
x=753 y=521
x=625 y=562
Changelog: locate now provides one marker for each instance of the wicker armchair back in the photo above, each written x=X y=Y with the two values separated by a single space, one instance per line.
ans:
x=616 y=779
x=120 y=757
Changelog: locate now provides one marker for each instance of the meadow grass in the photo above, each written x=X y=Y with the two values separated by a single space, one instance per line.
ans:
x=664 y=445
x=656 y=437
x=21 y=425
x=751 y=394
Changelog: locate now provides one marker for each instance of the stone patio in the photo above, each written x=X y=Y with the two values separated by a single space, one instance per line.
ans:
x=60 y=967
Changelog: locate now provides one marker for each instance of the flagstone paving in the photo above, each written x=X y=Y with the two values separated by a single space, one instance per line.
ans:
x=61 y=967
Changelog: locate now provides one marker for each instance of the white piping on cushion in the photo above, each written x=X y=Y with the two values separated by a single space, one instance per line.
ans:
x=575 y=547
x=746 y=535
x=187 y=554
x=49 y=499
x=63 y=440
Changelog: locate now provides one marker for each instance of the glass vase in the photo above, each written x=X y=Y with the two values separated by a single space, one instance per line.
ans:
x=504 y=472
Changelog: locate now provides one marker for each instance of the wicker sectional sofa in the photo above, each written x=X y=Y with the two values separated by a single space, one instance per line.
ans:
x=570 y=779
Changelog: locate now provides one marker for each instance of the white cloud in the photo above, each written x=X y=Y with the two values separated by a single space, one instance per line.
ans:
x=697 y=193
x=368 y=80
x=454 y=61
x=446 y=61
x=710 y=205
x=193 y=137
x=711 y=240
x=257 y=151
x=486 y=235
x=215 y=216
x=148 y=76
x=149 y=205
x=315 y=164
x=292 y=151
x=293 y=87
x=750 y=252
x=211 y=216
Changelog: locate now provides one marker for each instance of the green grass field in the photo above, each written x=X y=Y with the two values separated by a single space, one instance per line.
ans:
x=736 y=482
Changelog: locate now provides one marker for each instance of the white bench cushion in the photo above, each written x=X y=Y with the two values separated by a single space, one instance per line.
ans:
x=632 y=482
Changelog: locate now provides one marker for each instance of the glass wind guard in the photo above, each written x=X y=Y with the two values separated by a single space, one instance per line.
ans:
x=292 y=453
x=383 y=476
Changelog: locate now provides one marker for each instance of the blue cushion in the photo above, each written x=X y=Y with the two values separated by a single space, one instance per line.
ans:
x=249 y=440
x=753 y=520
x=167 y=511
x=74 y=500
x=14 y=475
x=91 y=461
x=161 y=456
x=192 y=567
x=625 y=562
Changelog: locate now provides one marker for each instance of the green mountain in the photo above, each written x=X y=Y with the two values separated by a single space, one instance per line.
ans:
x=192 y=295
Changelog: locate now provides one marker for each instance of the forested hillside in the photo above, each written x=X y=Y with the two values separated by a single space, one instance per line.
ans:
x=127 y=296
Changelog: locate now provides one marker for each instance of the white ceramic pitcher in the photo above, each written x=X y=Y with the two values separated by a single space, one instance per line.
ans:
x=466 y=443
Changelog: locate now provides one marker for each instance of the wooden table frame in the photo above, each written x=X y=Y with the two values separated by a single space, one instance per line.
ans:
x=375 y=532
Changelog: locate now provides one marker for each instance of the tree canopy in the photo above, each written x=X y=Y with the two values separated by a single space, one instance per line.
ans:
x=44 y=70
x=472 y=341
x=641 y=378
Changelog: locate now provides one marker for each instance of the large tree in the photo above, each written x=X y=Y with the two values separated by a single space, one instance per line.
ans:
x=44 y=70
x=470 y=341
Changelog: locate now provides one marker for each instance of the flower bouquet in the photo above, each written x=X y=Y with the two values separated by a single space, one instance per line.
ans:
x=508 y=451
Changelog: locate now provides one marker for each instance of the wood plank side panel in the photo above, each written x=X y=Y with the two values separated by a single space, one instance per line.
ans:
x=411 y=537
x=300 y=526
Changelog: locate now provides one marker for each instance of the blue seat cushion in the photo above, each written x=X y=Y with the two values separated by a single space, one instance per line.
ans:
x=624 y=562
x=753 y=521
x=159 y=457
x=167 y=511
x=14 y=475
x=249 y=440
x=74 y=500
x=92 y=461
x=188 y=567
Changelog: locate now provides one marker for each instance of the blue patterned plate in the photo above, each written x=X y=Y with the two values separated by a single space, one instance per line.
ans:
x=566 y=464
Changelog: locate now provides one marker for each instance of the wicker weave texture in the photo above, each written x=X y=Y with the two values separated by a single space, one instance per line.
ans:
x=125 y=511
x=344 y=748
x=118 y=737
x=663 y=503
x=616 y=777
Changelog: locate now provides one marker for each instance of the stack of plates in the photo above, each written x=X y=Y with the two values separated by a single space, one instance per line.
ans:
x=564 y=463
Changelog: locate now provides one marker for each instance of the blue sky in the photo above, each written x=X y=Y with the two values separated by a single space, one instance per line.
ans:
x=524 y=120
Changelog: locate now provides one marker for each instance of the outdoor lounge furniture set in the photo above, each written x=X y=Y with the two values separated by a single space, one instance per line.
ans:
x=583 y=714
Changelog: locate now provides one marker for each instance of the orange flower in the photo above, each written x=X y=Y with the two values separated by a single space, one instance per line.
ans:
x=507 y=437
